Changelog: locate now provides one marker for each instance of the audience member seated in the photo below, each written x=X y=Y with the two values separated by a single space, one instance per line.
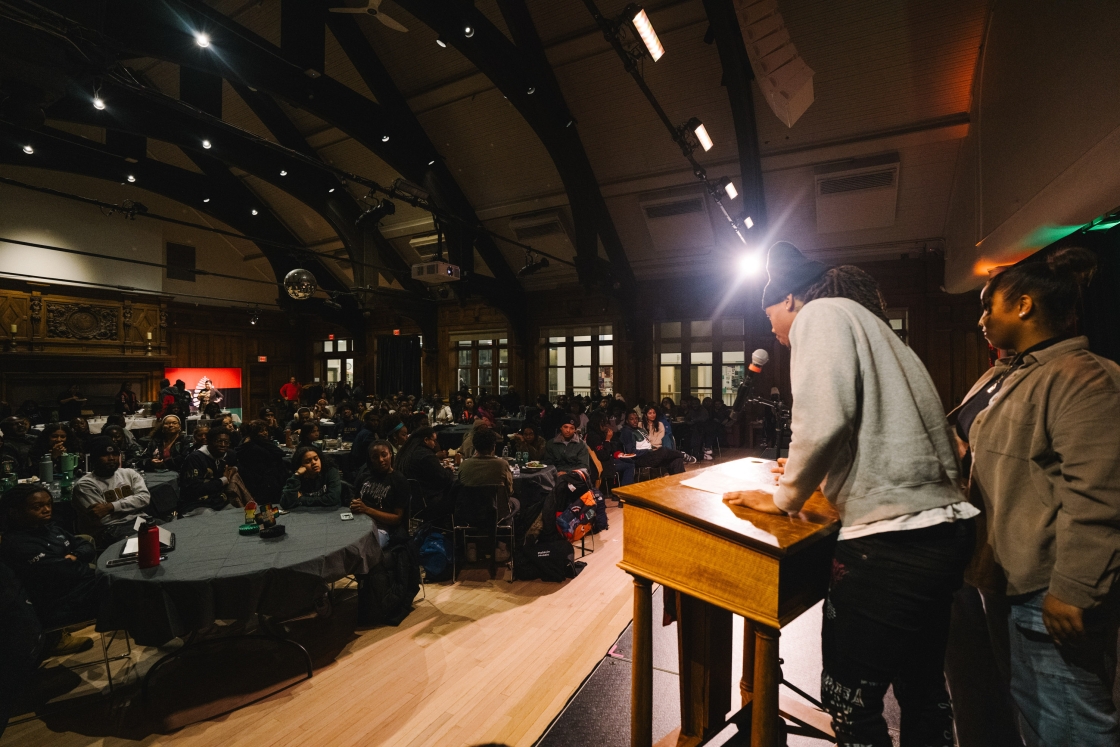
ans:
x=53 y=564
x=275 y=430
x=604 y=444
x=418 y=460
x=529 y=442
x=211 y=411
x=79 y=435
x=484 y=467
x=383 y=495
x=208 y=481
x=441 y=413
x=118 y=420
x=125 y=402
x=467 y=416
x=112 y=496
x=348 y=422
x=370 y=432
x=466 y=448
x=17 y=446
x=511 y=402
x=395 y=432
x=640 y=444
x=486 y=412
x=303 y=415
x=168 y=447
x=53 y=441
x=129 y=451
x=567 y=452
x=260 y=463
x=198 y=438
x=70 y=404
x=315 y=483
x=308 y=434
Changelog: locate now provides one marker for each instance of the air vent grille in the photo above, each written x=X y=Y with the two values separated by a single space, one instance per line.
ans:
x=858 y=181
x=536 y=232
x=669 y=209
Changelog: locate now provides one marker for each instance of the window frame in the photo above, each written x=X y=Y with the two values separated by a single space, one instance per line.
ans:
x=595 y=338
x=717 y=341
x=495 y=346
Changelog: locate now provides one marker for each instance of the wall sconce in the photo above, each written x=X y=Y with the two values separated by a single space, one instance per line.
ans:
x=11 y=343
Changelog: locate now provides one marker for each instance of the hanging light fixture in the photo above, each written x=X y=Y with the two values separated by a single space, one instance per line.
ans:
x=28 y=149
x=376 y=212
x=701 y=132
x=728 y=187
x=207 y=144
x=98 y=103
x=300 y=284
x=640 y=21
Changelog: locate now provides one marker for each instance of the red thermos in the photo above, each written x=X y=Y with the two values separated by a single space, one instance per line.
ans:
x=148 y=545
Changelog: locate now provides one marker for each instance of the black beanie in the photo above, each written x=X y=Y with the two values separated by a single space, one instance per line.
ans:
x=790 y=271
x=101 y=446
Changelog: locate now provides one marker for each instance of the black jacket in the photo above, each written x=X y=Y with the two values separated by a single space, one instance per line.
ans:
x=422 y=464
x=263 y=469
x=38 y=557
x=200 y=481
x=174 y=463
x=348 y=429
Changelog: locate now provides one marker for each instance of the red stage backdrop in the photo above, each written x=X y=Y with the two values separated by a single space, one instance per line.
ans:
x=225 y=381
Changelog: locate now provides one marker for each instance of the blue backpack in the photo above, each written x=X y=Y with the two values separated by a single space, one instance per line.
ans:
x=434 y=555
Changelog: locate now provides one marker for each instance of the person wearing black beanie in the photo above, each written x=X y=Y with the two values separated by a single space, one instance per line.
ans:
x=869 y=430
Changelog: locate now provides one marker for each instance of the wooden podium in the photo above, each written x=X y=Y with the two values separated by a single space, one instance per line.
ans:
x=693 y=542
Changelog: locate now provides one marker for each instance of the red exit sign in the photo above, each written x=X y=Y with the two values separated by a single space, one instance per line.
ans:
x=262 y=359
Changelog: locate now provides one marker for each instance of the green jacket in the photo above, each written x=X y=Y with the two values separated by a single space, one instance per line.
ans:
x=568 y=455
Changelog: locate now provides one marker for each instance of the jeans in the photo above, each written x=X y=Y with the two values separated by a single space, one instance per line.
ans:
x=1064 y=694
x=886 y=622
x=671 y=459
x=624 y=468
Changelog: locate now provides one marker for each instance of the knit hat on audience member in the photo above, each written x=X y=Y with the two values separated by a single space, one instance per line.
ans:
x=102 y=446
x=790 y=271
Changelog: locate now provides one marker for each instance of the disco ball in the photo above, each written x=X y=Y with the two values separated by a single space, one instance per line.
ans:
x=300 y=284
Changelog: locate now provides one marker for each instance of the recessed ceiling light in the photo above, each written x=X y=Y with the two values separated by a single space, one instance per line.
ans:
x=283 y=173
x=331 y=189
x=206 y=199
x=468 y=31
x=384 y=138
x=532 y=90
x=202 y=40
x=441 y=42
x=98 y=103
x=206 y=144
x=28 y=149
x=131 y=178
x=432 y=162
x=254 y=211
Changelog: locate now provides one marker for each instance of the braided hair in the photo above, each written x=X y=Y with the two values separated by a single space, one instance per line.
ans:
x=848 y=281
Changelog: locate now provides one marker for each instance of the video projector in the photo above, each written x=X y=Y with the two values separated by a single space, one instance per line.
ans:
x=435 y=273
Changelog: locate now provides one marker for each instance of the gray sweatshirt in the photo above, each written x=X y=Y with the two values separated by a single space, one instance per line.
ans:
x=868 y=425
x=125 y=489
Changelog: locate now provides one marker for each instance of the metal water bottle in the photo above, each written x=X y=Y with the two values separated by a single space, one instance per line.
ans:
x=46 y=469
x=148 y=545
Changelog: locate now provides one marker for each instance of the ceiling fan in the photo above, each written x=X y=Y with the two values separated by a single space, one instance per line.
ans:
x=372 y=9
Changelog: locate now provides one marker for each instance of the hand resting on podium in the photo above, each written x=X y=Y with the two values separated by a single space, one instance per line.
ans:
x=758 y=500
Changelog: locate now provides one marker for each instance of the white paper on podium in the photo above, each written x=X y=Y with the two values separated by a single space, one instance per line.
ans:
x=741 y=474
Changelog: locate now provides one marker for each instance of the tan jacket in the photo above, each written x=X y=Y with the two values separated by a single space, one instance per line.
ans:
x=1046 y=464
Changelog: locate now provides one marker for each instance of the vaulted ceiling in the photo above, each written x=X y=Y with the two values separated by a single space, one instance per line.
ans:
x=573 y=168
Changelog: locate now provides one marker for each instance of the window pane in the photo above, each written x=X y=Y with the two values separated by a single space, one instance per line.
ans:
x=503 y=356
x=557 y=339
x=341 y=346
x=734 y=356
x=334 y=370
x=328 y=346
x=349 y=370
x=671 y=382
x=581 y=355
x=318 y=347
x=464 y=378
x=606 y=337
x=485 y=358
x=670 y=330
x=557 y=383
x=464 y=358
x=503 y=341
x=485 y=378
x=701 y=357
x=700 y=329
x=606 y=379
x=731 y=379
x=670 y=358
x=557 y=356
x=503 y=380
x=606 y=355
x=582 y=338
x=581 y=381
x=731 y=327
x=484 y=343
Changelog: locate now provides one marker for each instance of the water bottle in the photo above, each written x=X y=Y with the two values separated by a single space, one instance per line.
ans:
x=148 y=545
x=46 y=469
x=505 y=452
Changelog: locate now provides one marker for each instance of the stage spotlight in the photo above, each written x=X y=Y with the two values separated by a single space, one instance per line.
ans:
x=131 y=178
x=728 y=186
x=202 y=40
x=468 y=31
x=751 y=264
x=640 y=21
x=532 y=266
x=207 y=144
x=441 y=42
x=28 y=149
x=98 y=103
x=376 y=212
x=701 y=133
x=409 y=192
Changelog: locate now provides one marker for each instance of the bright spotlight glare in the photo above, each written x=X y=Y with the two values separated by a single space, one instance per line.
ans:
x=750 y=264
x=28 y=149
x=649 y=36
x=98 y=103
x=131 y=178
x=702 y=136
x=748 y=222
x=202 y=40
x=441 y=42
x=206 y=144
x=254 y=211
x=468 y=31
x=283 y=173
x=729 y=188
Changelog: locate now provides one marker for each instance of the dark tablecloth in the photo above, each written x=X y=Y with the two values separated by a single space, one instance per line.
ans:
x=216 y=574
x=533 y=485
x=451 y=437
x=164 y=489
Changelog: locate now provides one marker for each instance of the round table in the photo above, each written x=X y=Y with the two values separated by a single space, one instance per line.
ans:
x=214 y=573
x=131 y=423
x=451 y=437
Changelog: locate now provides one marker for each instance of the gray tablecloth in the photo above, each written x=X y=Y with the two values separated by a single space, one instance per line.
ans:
x=451 y=437
x=534 y=485
x=164 y=489
x=216 y=574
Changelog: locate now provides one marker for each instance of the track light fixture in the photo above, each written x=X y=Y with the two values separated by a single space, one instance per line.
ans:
x=28 y=150
x=637 y=17
x=410 y=193
x=531 y=90
x=206 y=199
x=376 y=212
x=697 y=128
x=532 y=265
x=202 y=40
x=728 y=187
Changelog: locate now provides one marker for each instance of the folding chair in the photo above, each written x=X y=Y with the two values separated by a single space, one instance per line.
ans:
x=490 y=506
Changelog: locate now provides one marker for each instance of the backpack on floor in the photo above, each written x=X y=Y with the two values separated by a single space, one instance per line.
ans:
x=385 y=594
x=548 y=561
x=433 y=554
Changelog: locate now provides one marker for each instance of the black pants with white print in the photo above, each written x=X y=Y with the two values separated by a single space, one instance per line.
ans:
x=886 y=622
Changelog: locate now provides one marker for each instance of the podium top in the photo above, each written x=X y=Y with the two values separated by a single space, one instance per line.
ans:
x=707 y=511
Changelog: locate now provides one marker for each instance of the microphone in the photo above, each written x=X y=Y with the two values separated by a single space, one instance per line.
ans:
x=759 y=358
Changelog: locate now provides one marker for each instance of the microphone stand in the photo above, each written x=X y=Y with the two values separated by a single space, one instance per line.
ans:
x=782 y=416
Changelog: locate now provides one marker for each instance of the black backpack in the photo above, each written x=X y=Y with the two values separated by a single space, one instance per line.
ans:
x=548 y=561
x=385 y=594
